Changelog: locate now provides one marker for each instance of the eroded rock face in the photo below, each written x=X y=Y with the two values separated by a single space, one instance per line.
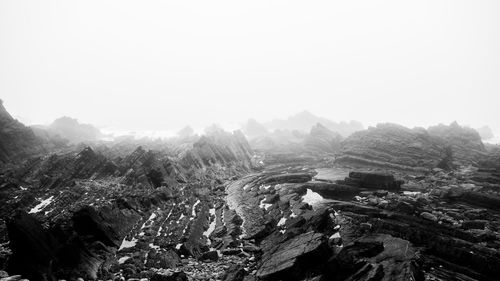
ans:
x=376 y=257
x=139 y=207
x=321 y=139
x=394 y=146
x=17 y=142
x=34 y=249
x=371 y=180
x=79 y=249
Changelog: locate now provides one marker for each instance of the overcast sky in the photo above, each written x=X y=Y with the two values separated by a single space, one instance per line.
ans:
x=157 y=65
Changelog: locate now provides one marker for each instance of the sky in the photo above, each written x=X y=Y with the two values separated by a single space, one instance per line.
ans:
x=160 y=65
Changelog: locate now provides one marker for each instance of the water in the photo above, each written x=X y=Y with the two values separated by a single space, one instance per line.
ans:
x=331 y=174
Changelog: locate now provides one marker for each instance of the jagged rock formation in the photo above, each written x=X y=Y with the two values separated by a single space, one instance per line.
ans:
x=323 y=140
x=216 y=151
x=253 y=129
x=200 y=208
x=394 y=146
x=304 y=120
x=465 y=142
x=85 y=207
x=377 y=234
x=71 y=130
x=17 y=142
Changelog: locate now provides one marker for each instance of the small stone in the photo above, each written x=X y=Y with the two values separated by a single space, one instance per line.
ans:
x=211 y=255
x=230 y=252
x=365 y=226
x=428 y=216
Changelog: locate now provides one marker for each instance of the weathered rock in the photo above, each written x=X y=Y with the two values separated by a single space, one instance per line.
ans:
x=474 y=224
x=376 y=257
x=373 y=180
x=234 y=273
x=428 y=216
x=209 y=256
x=397 y=147
x=17 y=142
x=289 y=259
x=34 y=249
x=175 y=276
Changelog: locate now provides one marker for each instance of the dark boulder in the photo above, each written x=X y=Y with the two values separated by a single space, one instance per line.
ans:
x=376 y=257
x=373 y=181
x=291 y=259
x=234 y=273
x=176 y=276
x=34 y=249
x=209 y=256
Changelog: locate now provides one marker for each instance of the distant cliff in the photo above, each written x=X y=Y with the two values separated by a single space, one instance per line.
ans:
x=305 y=120
x=396 y=146
x=70 y=129
x=16 y=140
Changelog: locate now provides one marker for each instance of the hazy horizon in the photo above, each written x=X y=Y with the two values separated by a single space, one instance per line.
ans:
x=161 y=65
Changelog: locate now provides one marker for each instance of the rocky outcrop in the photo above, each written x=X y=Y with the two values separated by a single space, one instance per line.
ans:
x=147 y=207
x=33 y=248
x=323 y=140
x=79 y=249
x=17 y=142
x=465 y=143
x=254 y=129
x=217 y=149
x=397 y=147
x=70 y=129
x=290 y=259
x=371 y=180
x=304 y=120
x=376 y=257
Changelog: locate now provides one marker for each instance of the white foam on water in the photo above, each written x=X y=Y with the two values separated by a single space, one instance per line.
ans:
x=411 y=193
x=211 y=227
x=193 y=212
x=123 y=259
x=181 y=217
x=153 y=246
x=128 y=244
x=282 y=222
x=335 y=235
x=312 y=198
x=263 y=205
x=42 y=205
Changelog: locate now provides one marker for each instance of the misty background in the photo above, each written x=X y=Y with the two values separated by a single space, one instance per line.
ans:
x=160 y=65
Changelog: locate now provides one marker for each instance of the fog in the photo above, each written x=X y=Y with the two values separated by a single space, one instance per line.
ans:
x=160 y=65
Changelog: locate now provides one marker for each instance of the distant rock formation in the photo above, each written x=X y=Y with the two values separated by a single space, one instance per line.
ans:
x=395 y=146
x=465 y=142
x=305 y=120
x=218 y=148
x=16 y=140
x=186 y=132
x=485 y=132
x=322 y=139
x=253 y=129
x=72 y=130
